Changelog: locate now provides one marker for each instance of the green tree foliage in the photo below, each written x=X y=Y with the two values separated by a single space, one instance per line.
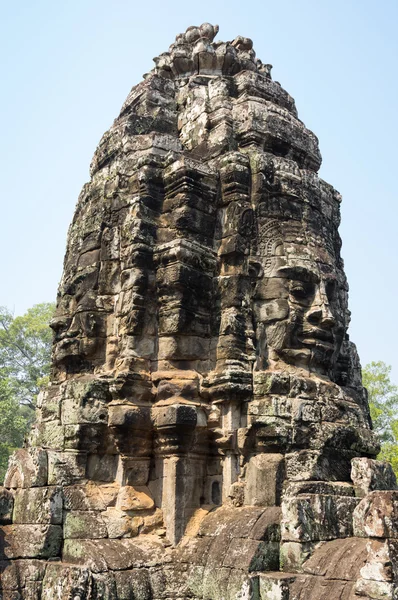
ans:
x=383 y=402
x=25 y=352
x=13 y=424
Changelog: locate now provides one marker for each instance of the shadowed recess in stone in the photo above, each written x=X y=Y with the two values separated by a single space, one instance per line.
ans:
x=205 y=433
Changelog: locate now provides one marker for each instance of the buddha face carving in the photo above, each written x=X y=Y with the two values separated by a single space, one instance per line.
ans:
x=78 y=336
x=299 y=308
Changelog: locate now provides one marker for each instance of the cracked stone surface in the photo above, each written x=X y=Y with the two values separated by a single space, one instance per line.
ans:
x=205 y=433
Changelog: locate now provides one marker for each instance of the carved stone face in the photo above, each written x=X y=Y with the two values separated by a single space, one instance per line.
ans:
x=299 y=317
x=77 y=337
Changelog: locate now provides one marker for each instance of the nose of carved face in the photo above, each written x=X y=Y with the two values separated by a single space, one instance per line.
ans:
x=320 y=314
x=319 y=327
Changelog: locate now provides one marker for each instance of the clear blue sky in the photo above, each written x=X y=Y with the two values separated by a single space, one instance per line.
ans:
x=68 y=66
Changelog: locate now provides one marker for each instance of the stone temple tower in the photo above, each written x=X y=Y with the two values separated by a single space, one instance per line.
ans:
x=205 y=434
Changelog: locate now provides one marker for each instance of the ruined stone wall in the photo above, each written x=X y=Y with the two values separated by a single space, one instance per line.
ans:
x=205 y=433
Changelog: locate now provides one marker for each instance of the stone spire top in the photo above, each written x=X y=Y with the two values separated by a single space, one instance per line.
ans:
x=195 y=52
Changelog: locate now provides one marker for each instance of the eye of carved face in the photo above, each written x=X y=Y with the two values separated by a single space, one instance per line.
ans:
x=302 y=292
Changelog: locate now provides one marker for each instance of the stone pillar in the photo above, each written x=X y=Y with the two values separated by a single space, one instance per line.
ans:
x=179 y=466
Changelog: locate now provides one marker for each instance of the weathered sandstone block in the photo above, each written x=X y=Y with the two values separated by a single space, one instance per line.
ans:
x=369 y=475
x=6 y=506
x=27 y=468
x=38 y=505
x=264 y=480
x=84 y=525
x=377 y=515
x=317 y=517
x=31 y=541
